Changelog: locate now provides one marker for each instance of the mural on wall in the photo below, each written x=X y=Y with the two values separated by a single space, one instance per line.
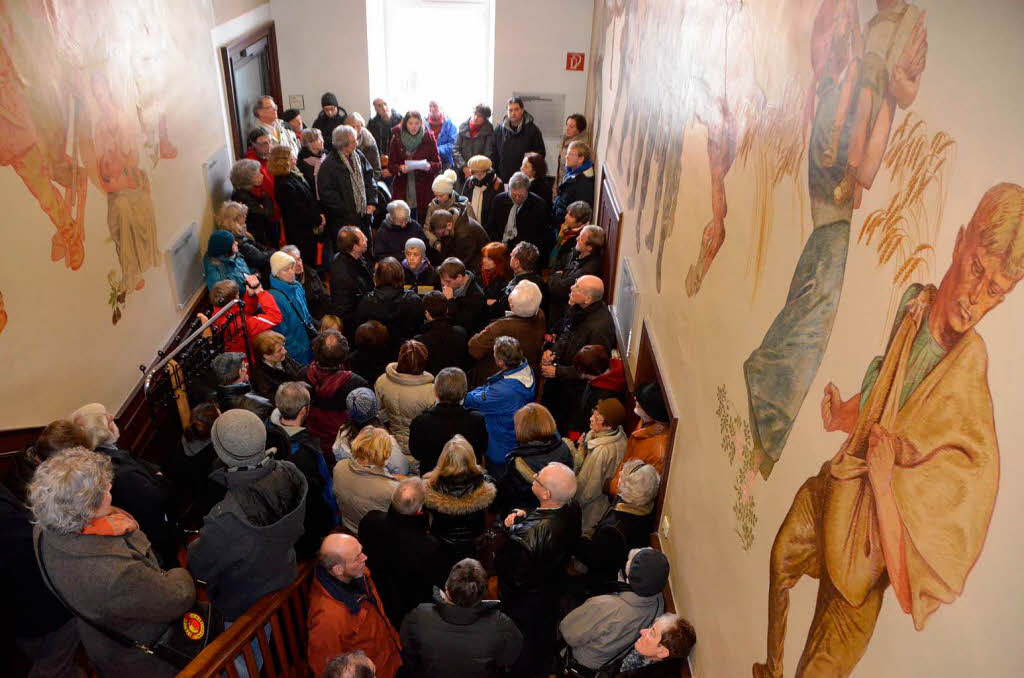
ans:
x=82 y=87
x=738 y=447
x=906 y=501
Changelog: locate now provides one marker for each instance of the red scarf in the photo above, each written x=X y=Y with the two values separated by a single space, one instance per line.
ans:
x=436 y=123
x=474 y=129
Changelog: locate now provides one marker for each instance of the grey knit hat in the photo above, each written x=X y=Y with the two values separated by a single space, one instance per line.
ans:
x=240 y=438
x=648 y=572
x=362 y=405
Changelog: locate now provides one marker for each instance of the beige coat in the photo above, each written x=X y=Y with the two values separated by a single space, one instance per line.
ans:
x=603 y=453
x=403 y=397
x=360 y=489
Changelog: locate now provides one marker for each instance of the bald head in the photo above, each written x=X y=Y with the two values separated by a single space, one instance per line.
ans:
x=409 y=496
x=342 y=556
x=588 y=289
x=97 y=422
x=558 y=482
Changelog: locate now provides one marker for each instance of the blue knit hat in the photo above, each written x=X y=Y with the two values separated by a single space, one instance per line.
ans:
x=220 y=244
x=362 y=405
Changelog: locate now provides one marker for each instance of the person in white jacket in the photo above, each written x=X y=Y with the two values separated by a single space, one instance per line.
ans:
x=602 y=449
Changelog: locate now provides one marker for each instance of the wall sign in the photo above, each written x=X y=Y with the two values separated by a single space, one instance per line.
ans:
x=574 y=61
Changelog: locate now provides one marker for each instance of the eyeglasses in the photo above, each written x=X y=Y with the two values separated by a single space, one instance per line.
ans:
x=536 y=479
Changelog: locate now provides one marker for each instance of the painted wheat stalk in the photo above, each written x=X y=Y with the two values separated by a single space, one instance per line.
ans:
x=904 y=231
x=773 y=145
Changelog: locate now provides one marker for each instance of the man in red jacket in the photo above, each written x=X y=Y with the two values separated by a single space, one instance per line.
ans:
x=345 y=612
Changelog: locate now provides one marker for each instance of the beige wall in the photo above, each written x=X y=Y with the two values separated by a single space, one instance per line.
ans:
x=966 y=91
x=60 y=348
x=226 y=10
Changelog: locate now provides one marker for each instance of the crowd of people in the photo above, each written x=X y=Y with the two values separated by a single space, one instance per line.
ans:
x=418 y=388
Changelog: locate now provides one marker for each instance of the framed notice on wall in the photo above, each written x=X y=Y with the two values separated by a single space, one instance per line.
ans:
x=548 y=111
x=624 y=307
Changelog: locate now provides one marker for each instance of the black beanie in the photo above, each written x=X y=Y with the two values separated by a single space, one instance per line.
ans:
x=328 y=99
x=650 y=398
x=648 y=572
x=290 y=114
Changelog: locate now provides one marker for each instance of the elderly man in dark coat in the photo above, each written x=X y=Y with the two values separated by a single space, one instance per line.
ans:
x=344 y=185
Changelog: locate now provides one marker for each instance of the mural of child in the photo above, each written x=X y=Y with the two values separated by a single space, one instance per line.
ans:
x=908 y=498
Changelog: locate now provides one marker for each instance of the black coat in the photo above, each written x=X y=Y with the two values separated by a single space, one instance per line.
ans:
x=492 y=187
x=511 y=145
x=389 y=240
x=318 y=299
x=467 y=240
x=560 y=283
x=590 y=325
x=427 y=277
x=141 y=489
x=501 y=305
x=32 y=610
x=446 y=346
x=579 y=186
x=515 y=487
x=351 y=280
x=266 y=378
x=435 y=426
x=398 y=309
x=309 y=171
x=326 y=126
x=605 y=551
x=672 y=667
x=470 y=310
x=370 y=364
x=300 y=212
x=381 y=129
x=337 y=199
x=321 y=506
x=533 y=222
x=257 y=257
x=457 y=506
x=442 y=639
x=406 y=561
x=260 y=221
x=545 y=188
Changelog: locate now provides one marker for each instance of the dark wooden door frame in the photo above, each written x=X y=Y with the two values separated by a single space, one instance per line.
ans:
x=266 y=31
x=609 y=217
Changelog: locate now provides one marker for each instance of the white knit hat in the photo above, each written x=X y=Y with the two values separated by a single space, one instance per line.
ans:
x=444 y=182
x=280 y=261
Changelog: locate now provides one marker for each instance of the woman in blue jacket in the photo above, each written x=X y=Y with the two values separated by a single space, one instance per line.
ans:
x=445 y=132
x=291 y=300
x=222 y=261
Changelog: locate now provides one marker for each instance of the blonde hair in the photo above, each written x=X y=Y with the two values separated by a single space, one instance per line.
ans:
x=280 y=162
x=998 y=222
x=582 y=148
x=457 y=458
x=228 y=216
x=266 y=342
x=372 y=446
x=331 y=322
x=534 y=422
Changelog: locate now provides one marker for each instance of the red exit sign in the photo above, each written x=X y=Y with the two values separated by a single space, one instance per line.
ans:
x=574 y=61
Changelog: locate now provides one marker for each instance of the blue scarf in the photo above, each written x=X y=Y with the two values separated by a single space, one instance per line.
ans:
x=582 y=168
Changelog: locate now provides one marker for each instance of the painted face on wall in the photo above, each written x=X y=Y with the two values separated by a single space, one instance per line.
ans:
x=974 y=284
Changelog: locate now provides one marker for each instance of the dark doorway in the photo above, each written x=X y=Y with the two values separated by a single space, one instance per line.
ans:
x=250 y=70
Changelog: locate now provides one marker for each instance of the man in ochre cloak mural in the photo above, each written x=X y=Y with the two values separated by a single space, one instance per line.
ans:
x=907 y=499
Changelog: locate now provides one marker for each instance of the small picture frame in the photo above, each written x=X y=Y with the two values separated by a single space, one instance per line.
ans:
x=296 y=101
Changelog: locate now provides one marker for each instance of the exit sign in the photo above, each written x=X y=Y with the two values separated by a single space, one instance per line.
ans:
x=574 y=61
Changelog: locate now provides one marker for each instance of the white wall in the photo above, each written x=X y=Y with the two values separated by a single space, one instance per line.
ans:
x=531 y=38
x=322 y=48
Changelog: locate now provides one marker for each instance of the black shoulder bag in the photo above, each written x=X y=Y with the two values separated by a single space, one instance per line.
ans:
x=181 y=641
x=311 y=330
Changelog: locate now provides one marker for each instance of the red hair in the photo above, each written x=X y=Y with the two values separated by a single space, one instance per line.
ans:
x=498 y=253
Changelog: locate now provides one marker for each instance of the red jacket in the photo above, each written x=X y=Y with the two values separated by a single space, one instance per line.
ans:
x=254 y=323
x=427 y=150
x=334 y=629
x=268 y=188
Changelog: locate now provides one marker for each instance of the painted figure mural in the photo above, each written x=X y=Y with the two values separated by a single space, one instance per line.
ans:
x=81 y=88
x=906 y=501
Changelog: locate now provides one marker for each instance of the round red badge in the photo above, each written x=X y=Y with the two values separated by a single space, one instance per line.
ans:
x=195 y=627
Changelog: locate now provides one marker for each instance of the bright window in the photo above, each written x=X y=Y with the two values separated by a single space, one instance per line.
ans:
x=423 y=50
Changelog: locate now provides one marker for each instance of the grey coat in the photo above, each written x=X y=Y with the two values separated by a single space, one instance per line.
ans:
x=466 y=146
x=600 y=629
x=116 y=582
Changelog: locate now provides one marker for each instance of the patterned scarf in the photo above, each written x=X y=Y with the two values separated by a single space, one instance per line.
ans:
x=358 y=187
x=412 y=141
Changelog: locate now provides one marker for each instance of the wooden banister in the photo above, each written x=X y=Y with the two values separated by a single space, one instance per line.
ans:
x=284 y=653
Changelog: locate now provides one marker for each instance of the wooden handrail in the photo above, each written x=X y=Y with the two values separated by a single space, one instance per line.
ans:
x=284 y=651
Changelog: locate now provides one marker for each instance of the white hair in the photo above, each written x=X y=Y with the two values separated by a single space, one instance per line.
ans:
x=338 y=136
x=525 y=298
x=638 y=483
x=93 y=418
x=562 y=484
x=396 y=205
x=519 y=180
x=68 y=488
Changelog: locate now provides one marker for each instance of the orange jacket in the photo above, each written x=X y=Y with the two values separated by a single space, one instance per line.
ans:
x=648 y=443
x=334 y=630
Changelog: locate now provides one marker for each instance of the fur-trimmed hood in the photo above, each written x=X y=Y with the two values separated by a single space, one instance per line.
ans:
x=477 y=499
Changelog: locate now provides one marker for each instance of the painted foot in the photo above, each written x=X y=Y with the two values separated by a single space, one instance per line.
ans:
x=168 y=151
x=73 y=252
x=710 y=243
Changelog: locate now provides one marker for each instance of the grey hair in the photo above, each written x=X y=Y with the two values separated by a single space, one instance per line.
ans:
x=450 y=385
x=227 y=366
x=340 y=133
x=93 y=418
x=67 y=489
x=290 y=398
x=292 y=251
x=409 y=496
x=525 y=298
x=259 y=103
x=508 y=351
x=243 y=173
x=355 y=116
x=229 y=212
x=638 y=483
x=396 y=205
x=595 y=236
x=311 y=134
x=519 y=180
x=354 y=664
x=563 y=489
x=580 y=211
x=418 y=244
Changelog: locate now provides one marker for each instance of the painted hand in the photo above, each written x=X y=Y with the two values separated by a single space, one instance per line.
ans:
x=881 y=457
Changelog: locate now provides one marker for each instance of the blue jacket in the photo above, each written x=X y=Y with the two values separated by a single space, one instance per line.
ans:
x=446 y=142
x=226 y=269
x=291 y=298
x=499 y=400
